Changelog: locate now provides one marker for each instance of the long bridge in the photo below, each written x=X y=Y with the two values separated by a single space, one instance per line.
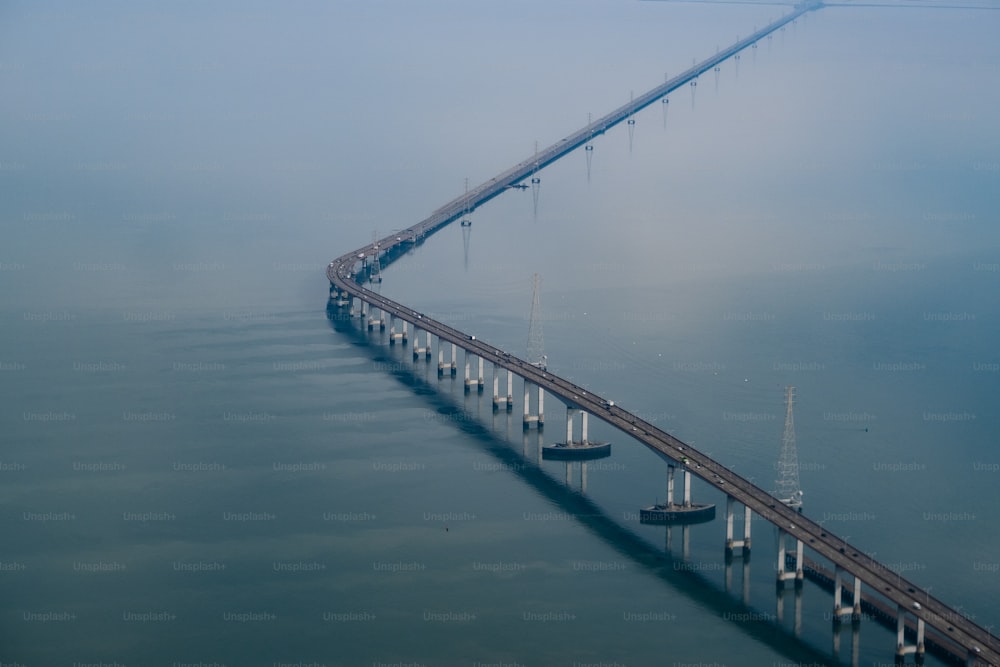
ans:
x=959 y=636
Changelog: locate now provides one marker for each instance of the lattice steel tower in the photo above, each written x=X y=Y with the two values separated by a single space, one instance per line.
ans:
x=536 y=343
x=788 y=489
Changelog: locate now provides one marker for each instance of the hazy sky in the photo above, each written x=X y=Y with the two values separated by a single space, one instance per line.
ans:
x=237 y=136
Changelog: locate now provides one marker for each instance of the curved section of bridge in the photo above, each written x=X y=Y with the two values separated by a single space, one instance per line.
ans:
x=961 y=637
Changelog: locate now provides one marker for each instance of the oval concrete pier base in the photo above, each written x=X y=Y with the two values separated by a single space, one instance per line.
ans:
x=664 y=514
x=577 y=451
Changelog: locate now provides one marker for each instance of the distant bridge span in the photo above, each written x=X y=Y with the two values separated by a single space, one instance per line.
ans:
x=964 y=638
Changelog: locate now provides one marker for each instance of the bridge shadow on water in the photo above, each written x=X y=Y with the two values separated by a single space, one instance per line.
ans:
x=651 y=558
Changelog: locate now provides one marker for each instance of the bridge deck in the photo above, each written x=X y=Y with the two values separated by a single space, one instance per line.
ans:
x=878 y=577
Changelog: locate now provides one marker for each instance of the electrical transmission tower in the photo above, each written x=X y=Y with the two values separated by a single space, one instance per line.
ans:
x=536 y=343
x=788 y=490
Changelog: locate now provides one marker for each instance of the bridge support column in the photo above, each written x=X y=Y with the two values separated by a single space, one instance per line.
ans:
x=477 y=381
x=571 y=413
x=670 y=485
x=395 y=335
x=839 y=609
x=537 y=419
x=451 y=366
x=902 y=648
x=527 y=405
x=800 y=577
x=796 y=573
x=468 y=380
x=732 y=544
x=506 y=399
x=417 y=349
x=510 y=390
x=373 y=321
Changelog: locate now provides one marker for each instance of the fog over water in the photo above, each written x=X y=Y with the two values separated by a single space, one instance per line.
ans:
x=199 y=467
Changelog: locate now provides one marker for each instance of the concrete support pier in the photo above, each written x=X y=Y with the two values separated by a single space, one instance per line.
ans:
x=732 y=544
x=476 y=381
x=670 y=512
x=570 y=412
x=538 y=419
x=839 y=609
x=506 y=400
x=796 y=573
x=450 y=366
x=902 y=648
x=397 y=330
x=573 y=450
x=376 y=321
x=417 y=349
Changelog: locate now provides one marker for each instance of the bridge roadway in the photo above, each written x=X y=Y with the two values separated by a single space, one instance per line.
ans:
x=342 y=275
x=526 y=168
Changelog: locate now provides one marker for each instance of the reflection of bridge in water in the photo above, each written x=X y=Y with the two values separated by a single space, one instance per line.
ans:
x=873 y=585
